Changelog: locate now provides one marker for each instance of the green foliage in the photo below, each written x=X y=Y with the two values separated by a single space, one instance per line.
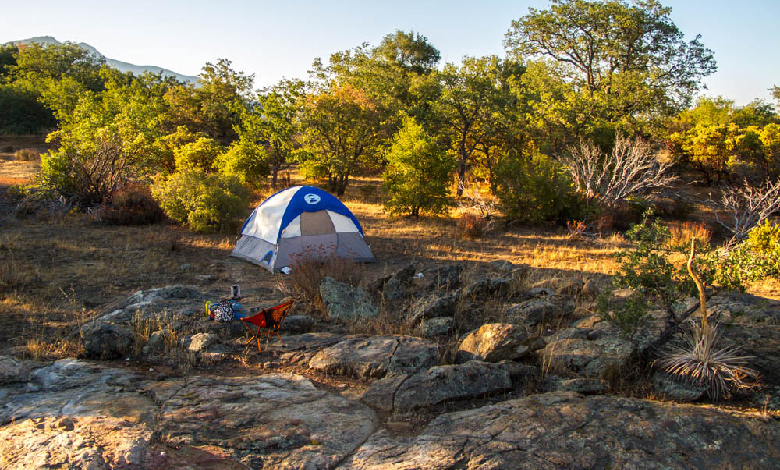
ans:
x=755 y=258
x=205 y=202
x=470 y=106
x=245 y=160
x=86 y=175
x=626 y=315
x=630 y=53
x=343 y=129
x=274 y=120
x=107 y=139
x=536 y=189
x=199 y=154
x=417 y=173
x=21 y=112
x=648 y=267
x=214 y=106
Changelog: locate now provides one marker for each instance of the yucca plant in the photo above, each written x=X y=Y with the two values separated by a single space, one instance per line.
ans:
x=700 y=361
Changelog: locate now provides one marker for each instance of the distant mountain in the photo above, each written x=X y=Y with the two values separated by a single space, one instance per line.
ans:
x=117 y=64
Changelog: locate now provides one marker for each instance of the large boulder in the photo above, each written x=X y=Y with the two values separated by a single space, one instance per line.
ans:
x=346 y=302
x=435 y=304
x=376 y=356
x=598 y=358
x=11 y=370
x=532 y=312
x=439 y=326
x=456 y=382
x=106 y=340
x=496 y=342
x=446 y=278
x=569 y=430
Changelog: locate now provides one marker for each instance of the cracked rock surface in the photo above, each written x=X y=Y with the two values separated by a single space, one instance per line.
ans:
x=81 y=415
x=569 y=430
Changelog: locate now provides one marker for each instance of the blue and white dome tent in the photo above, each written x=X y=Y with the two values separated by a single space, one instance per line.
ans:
x=301 y=221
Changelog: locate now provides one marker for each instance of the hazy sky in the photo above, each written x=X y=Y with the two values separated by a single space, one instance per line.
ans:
x=275 y=39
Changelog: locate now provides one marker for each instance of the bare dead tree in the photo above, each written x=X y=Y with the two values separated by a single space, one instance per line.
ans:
x=631 y=168
x=748 y=206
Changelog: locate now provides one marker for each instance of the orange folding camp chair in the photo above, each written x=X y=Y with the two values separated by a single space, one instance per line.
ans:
x=267 y=322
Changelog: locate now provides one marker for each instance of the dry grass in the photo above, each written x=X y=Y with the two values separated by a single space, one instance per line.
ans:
x=60 y=273
x=308 y=271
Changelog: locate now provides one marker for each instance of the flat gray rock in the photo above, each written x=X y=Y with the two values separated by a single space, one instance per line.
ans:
x=569 y=430
x=455 y=382
x=376 y=356
x=595 y=358
x=269 y=421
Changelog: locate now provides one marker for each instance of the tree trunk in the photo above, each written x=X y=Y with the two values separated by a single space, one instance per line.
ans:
x=705 y=327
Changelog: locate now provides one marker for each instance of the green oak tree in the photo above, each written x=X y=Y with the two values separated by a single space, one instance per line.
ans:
x=417 y=173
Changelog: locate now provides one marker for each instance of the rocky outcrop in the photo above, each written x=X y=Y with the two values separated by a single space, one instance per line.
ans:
x=474 y=379
x=597 y=358
x=346 y=302
x=569 y=430
x=78 y=414
x=271 y=421
x=496 y=342
x=105 y=340
x=377 y=356
x=456 y=382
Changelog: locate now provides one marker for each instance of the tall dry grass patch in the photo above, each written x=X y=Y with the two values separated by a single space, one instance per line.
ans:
x=309 y=269
x=681 y=233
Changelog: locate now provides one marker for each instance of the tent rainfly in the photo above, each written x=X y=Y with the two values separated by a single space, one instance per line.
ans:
x=301 y=221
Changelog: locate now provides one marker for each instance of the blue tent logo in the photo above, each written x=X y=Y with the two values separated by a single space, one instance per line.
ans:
x=312 y=198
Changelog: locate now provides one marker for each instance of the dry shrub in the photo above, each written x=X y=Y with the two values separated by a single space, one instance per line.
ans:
x=681 y=233
x=131 y=204
x=472 y=226
x=576 y=229
x=309 y=269
x=27 y=155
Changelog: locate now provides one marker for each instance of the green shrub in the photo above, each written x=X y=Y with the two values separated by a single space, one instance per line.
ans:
x=199 y=154
x=647 y=267
x=417 y=173
x=625 y=315
x=87 y=174
x=537 y=190
x=204 y=202
x=246 y=161
x=755 y=258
